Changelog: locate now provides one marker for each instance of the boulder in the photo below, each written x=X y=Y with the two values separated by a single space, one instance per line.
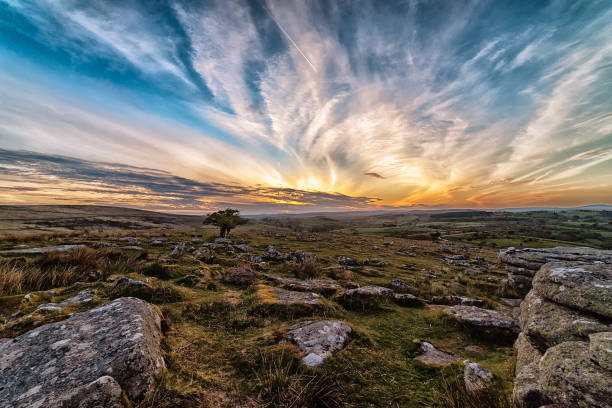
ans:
x=406 y=299
x=485 y=318
x=365 y=297
x=63 y=363
x=302 y=256
x=223 y=241
x=205 y=255
x=475 y=376
x=240 y=275
x=526 y=352
x=600 y=346
x=400 y=285
x=374 y=262
x=569 y=377
x=130 y=240
x=457 y=300
x=432 y=356
x=243 y=248
x=548 y=324
x=323 y=286
x=586 y=287
x=346 y=261
x=126 y=287
x=318 y=339
x=533 y=258
x=272 y=254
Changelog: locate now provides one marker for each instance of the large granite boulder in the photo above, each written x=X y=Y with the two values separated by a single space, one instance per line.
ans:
x=273 y=254
x=85 y=360
x=586 y=287
x=318 y=339
x=485 y=318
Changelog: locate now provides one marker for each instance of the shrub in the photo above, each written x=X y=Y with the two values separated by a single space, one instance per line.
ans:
x=307 y=270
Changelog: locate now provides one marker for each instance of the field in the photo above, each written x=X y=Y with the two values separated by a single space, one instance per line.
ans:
x=223 y=343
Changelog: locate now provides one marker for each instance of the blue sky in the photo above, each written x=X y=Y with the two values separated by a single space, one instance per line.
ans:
x=306 y=105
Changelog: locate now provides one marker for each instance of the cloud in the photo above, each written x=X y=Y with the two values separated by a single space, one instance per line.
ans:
x=375 y=175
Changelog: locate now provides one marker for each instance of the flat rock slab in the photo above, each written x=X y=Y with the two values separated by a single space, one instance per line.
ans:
x=406 y=299
x=269 y=294
x=83 y=296
x=323 y=286
x=484 y=318
x=457 y=300
x=318 y=338
x=53 y=248
x=533 y=258
x=586 y=287
x=45 y=366
x=432 y=356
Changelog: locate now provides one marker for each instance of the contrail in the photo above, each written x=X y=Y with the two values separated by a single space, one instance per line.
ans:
x=288 y=36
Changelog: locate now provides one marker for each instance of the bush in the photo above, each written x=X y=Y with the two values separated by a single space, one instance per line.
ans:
x=307 y=270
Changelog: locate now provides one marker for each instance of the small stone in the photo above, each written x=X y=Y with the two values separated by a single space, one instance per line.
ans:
x=475 y=376
x=432 y=356
x=318 y=338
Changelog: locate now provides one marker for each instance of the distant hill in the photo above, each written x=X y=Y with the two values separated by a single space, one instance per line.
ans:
x=51 y=218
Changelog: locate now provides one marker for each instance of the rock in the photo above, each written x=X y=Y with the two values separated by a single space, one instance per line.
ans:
x=243 y=248
x=205 y=255
x=62 y=361
x=53 y=248
x=400 y=285
x=512 y=302
x=527 y=392
x=133 y=248
x=519 y=283
x=548 y=323
x=83 y=296
x=432 y=356
x=130 y=240
x=568 y=376
x=365 y=297
x=125 y=287
x=457 y=300
x=188 y=280
x=301 y=256
x=526 y=352
x=158 y=241
x=318 y=339
x=223 y=241
x=374 y=262
x=475 y=376
x=323 y=286
x=600 y=346
x=485 y=318
x=586 y=287
x=532 y=258
x=290 y=297
x=406 y=299
x=104 y=392
x=346 y=261
x=473 y=272
x=241 y=276
x=457 y=260
x=272 y=254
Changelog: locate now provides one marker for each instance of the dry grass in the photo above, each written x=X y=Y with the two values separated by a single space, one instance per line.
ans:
x=453 y=394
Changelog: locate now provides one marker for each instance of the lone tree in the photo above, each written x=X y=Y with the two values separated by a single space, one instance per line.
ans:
x=225 y=220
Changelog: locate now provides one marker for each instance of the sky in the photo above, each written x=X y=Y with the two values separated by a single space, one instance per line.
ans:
x=298 y=106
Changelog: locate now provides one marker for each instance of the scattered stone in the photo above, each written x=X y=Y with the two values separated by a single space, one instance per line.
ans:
x=272 y=254
x=406 y=299
x=512 y=302
x=189 y=281
x=301 y=256
x=457 y=260
x=59 y=362
x=177 y=249
x=365 y=297
x=323 y=286
x=457 y=300
x=158 y=241
x=400 y=285
x=243 y=248
x=133 y=248
x=485 y=318
x=240 y=275
x=125 y=287
x=475 y=376
x=290 y=297
x=53 y=248
x=130 y=240
x=586 y=287
x=83 y=296
x=432 y=356
x=223 y=241
x=318 y=339
x=205 y=255
x=374 y=262
x=346 y=261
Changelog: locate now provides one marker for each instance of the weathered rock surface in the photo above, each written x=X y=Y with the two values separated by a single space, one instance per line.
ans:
x=272 y=254
x=400 y=285
x=586 y=287
x=457 y=300
x=600 y=345
x=83 y=296
x=273 y=295
x=365 y=297
x=126 y=287
x=547 y=323
x=432 y=356
x=346 y=261
x=485 y=318
x=475 y=376
x=204 y=254
x=241 y=276
x=318 y=339
x=303 y=256
x=374 y=262
x=323 y=286
x=532 y=258
x=53 y=248
x=66 y=363
x=406 y=299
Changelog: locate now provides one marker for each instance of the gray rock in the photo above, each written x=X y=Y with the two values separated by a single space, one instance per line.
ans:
x=406 y=299
x=318 y=339
x=223 y=241
x=243 y=248
x=272 y=254
x=53 y=248
x=130 y=240
x=291 y=297
x=400 y=285
x=365 y=297
x=374 y=262
x=83 y=296
x=485 y=318
x=526 y=352
x=432 y=356
x=346 y=261
x=323 y=286
x=457 y=260
x=302 y=256
x=569 y=377
x=54 y=362
x=241 y=276
x=205 y=255
x=520 y=284
x=457 y=300
x=104 y=392
x=132 y=248
x=126 y=287
x=527 y=392
x=533 y=258
x=475 y=376
x=600 y=346
x=178 y=249
x=586 y=287
x=548 y=323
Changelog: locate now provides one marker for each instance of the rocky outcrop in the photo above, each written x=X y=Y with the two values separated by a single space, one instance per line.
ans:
x=318 y=339
x=365 y=297
x=523 y=263
x=323 y=286
x=432 y=356
x=563 y=350
x=485 y=319
x=86 y=360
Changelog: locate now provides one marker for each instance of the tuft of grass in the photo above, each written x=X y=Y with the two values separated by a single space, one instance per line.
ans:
x=307 y=270
x=160 y=271
x=453 y=394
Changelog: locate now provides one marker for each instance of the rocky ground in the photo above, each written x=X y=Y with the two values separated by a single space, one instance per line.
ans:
x=178 y=318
